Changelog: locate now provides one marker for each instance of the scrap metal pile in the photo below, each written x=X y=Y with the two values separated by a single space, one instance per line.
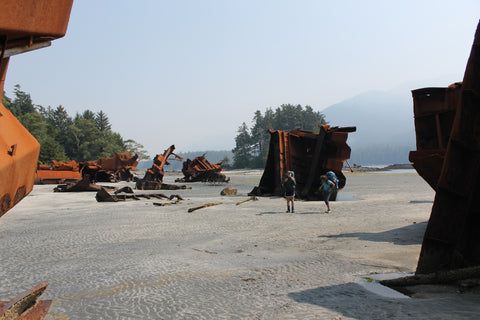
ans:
x=114 y=169
x=200 y=169
x=59 y=172
x=309 y=155
x=153 y=179
x=447 y=125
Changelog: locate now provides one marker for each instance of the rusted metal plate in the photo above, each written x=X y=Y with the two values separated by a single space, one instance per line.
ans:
x=153 y=178
x=200 y=169
x=434 y=110
x=452 y=239
x=25 y=305
x=114 y=169
x=22 y=18
x=309 y=155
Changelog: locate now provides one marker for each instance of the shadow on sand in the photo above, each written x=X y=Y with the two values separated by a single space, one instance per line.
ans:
x=408 y=235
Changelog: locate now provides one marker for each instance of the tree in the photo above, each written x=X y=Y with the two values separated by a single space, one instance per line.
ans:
x=22 y=103
x=242 y=151
x=134 y=147
x=102 y=122
x=252 y=145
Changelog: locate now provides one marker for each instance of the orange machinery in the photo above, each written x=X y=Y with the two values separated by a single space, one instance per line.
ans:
x=25 y=25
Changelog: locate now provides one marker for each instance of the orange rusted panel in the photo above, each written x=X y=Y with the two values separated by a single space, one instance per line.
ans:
x=25 y=18
x=200 y=169
x=153 y=177
x=116 y=168
x=309 y=155
x=56 y=176
x=25 y=306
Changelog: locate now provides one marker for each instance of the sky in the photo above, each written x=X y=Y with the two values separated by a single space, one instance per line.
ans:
x=190 y=72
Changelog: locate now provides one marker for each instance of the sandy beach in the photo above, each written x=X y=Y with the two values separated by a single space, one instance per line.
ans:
x=136 y=260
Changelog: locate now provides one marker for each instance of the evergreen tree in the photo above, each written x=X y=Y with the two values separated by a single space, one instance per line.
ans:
x=242 y=152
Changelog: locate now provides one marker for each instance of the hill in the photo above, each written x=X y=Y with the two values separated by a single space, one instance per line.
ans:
x=385 y=126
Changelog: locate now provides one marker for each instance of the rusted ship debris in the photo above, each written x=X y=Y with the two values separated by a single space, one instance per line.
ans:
x=153 y=179
x=200 y=169
x=59 y=172
x=24 y=26
x=309 y=155
x=114 y=169
x=447 y=124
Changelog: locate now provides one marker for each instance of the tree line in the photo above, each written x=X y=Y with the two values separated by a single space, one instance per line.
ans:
x=86 y=136
x=252 y=143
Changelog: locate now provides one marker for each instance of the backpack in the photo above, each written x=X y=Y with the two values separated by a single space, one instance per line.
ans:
x=332 y=177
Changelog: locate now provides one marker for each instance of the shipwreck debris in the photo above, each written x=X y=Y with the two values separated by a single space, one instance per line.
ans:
x=153 y=179
x=59 y=172
x=309 y=155
x=25 y=305
x=80 y=186
x=104 y=196
x=114 y=169
x=451 y=240
x=200 y=169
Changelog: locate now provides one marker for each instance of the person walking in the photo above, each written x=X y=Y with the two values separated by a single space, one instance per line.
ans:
x=327 y=188
x=289 y=186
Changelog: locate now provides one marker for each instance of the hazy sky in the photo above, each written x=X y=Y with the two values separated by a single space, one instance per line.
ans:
x=189 y=72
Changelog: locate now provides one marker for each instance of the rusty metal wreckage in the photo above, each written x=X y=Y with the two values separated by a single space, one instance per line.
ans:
x=447 y=124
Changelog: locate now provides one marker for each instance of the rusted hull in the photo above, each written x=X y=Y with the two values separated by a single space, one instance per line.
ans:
x=452 y=239
x=56 y=176
x=308 y=155
x=434 y=110
x=200 y=169
x=25 y=305
x=153 y=178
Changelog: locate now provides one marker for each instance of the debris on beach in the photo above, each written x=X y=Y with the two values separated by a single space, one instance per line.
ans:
x=200 y=169
x=309 y=155
x=59 y=172
x=104 y=196
x=114 y=169
x=80 y=186
x=206 y=205
x=448 y=158
x=253 y=198
x=25 y=305
x=153 y=178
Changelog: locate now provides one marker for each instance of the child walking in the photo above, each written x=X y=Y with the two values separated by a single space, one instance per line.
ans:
x=327 y=188
x=289 y=185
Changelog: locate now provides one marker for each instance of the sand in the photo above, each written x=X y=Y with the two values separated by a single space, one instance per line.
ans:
x=135 y=260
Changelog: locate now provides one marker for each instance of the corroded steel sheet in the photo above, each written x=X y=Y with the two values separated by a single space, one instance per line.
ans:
x=153 y=177
x=116 y=168
x=200 y=169
x=452 y=239
x=25 y=305
x=309 y=155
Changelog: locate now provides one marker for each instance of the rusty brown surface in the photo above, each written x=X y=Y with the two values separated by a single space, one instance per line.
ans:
x=23 y=24
x=434 y=110
x=114 y=169
x=452 y=240
x=200 y=169
x=153 y=178
x=25 y=305
x=309 y=155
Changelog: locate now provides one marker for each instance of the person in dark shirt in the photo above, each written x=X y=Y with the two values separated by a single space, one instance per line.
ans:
x=289 y=186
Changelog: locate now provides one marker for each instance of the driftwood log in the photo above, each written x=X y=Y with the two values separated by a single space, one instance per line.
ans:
x=204 y=206
x=252 y=198
x=439 y=277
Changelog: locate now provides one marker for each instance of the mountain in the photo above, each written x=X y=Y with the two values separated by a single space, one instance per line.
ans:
x=385 y=126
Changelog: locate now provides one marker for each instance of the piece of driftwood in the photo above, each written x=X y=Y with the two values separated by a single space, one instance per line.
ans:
x=439 y=277
x=252 y=198
x=204 y=206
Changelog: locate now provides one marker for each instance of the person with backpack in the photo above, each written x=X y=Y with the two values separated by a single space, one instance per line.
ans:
x=327 y=188
x=289 y=186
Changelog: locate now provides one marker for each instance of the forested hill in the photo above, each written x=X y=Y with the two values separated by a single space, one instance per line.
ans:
x=385 y=126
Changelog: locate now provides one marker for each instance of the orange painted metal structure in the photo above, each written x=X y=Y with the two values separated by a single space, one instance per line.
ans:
x=309 y=155
x=59 y=172
x=25 y=25
x=452 y=240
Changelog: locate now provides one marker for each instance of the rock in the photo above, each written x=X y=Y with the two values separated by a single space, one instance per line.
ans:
x=229 y=191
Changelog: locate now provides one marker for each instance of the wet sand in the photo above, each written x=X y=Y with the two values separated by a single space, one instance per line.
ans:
x=135 y=260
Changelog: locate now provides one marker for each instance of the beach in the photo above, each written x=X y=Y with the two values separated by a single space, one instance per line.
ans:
x=136 y=260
